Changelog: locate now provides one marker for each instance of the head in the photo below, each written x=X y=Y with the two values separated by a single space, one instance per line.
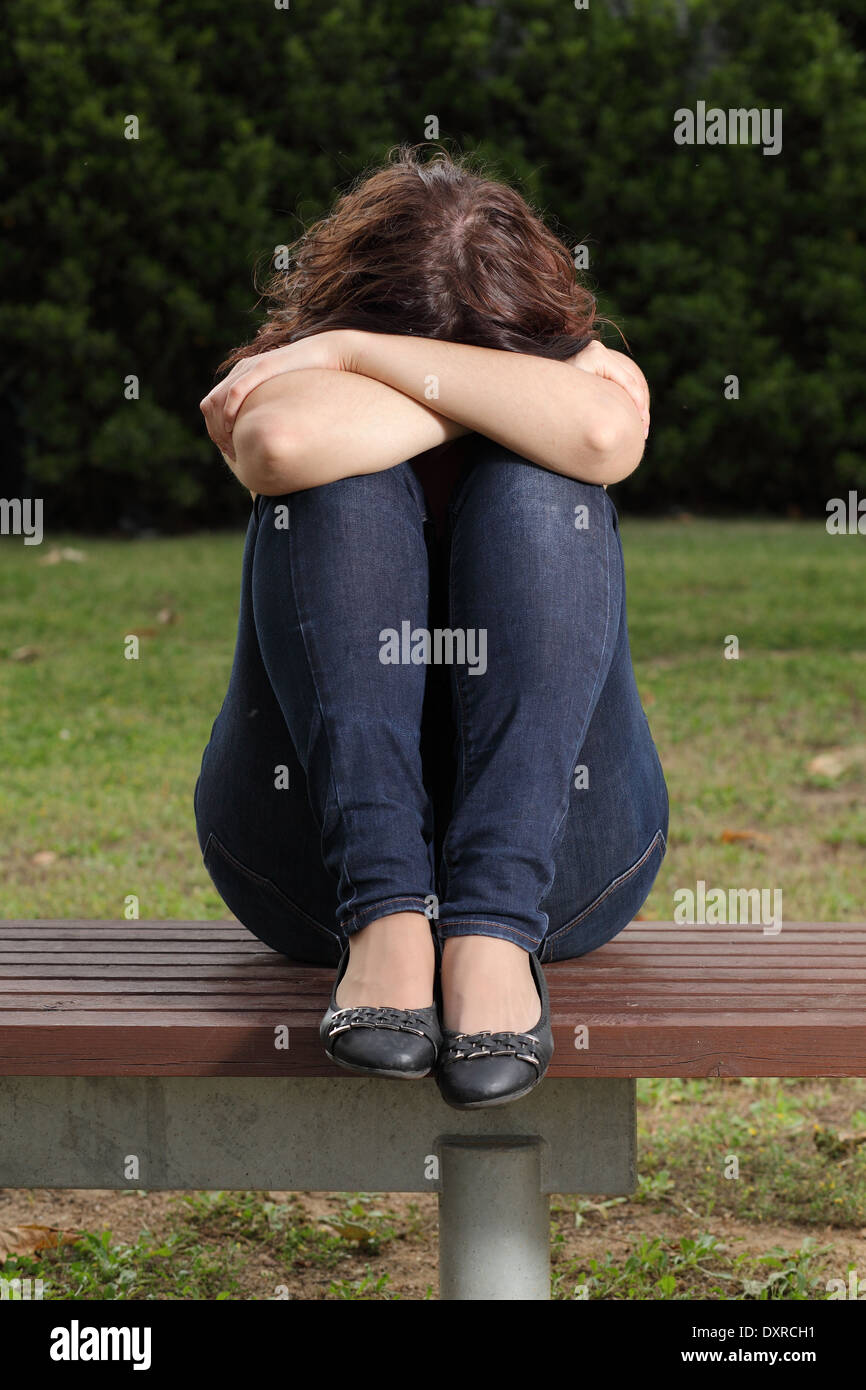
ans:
x=430 y=247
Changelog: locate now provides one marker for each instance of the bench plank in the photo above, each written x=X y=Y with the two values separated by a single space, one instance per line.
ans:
x=177 y=998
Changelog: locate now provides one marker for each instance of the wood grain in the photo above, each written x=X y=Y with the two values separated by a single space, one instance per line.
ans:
x=204 y=999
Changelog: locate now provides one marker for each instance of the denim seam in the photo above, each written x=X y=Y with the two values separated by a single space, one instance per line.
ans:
x=411 y=485
x=383 y=902
x=331 y=777
x=616 y=883
x=462 y=739
x=482 y=922
x=582 y=735
x=263 y=881
x=461 y=700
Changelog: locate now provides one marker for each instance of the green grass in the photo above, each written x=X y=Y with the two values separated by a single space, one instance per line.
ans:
x=100 y=757
x=223 y=1245
x=241 y=1245
x=780 y=1133
x=699 y=1267
x=100 y=754
x=736 y=736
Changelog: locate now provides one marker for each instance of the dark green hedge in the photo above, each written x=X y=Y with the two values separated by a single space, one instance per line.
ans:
x=135 y=257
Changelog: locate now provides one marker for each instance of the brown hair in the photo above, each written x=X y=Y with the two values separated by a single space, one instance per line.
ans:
x=433 y=248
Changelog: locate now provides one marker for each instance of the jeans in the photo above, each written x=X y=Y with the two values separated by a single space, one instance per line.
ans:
x=501 y=764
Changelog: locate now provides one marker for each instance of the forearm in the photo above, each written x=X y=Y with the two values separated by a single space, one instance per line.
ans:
x=552 y=413
x=305 y=428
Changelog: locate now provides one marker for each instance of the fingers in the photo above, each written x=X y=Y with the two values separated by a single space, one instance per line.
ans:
x=632 y=386
x=237 y=390
x=221 y=405
x=621 y=370
x=213 y=418
x=626 y=374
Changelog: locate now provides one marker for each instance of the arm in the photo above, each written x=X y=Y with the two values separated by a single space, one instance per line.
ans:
x=309 y=427
x=571 y=421
x=362 y=406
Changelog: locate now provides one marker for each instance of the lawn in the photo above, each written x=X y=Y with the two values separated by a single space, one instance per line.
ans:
x=100 y=756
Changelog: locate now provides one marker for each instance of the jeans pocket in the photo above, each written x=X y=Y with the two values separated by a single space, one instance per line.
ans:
x=266 y=911
x=611 y=910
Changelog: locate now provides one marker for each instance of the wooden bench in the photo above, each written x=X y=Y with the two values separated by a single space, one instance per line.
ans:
x=186 y=1055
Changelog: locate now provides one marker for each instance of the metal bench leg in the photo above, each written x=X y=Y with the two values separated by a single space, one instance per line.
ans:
x=494 y=1220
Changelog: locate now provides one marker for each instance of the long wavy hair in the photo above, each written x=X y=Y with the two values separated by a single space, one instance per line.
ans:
x=430 y=246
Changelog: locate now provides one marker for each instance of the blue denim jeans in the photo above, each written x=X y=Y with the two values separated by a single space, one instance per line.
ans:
x=416 y=715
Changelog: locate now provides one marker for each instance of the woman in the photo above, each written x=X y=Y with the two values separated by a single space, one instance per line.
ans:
x=432 y=768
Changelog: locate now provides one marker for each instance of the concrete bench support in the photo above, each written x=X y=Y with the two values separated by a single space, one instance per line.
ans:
x=492 y=1168
x=494 y=1220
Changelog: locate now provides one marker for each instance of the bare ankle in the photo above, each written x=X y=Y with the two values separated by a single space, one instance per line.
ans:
x=487 y=984
x=391 y=964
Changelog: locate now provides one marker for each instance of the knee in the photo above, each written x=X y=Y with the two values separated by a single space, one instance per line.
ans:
x=510 y=490
x=396 y=486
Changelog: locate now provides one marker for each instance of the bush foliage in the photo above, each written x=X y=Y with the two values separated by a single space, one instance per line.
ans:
x=134 y=257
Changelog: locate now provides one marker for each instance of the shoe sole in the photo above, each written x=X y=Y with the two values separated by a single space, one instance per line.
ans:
x=497 y=1100
x=380 y=1071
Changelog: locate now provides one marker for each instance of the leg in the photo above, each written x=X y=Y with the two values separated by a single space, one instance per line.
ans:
x=336 y=568
x=602 y=880
x=545 y=581
x=259 y=838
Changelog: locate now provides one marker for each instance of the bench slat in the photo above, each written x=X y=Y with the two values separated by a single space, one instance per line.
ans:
x=203 y=999
x=51 y=993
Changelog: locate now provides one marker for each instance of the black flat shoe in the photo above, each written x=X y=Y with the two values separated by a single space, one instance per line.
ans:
x=381 y=1041
x=479 y=1069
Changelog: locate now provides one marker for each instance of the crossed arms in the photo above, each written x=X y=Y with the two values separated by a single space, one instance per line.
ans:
x=347 y=402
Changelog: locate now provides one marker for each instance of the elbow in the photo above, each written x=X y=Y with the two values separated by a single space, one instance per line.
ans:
x=617 y=444
x=266 y=455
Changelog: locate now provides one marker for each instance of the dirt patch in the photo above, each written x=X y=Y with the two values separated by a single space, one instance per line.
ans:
x=410 y=1258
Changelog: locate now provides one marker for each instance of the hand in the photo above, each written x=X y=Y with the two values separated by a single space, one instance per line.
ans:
x=616 y=367
x=221 y=405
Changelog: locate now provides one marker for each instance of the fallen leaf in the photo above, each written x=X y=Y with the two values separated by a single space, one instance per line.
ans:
x=348 y=1230
x=27 y=1240
x=838 y=760
x=44 y=856
x=730 y=837
x=58 y=553
x=25 y=654
x=836 y=1142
